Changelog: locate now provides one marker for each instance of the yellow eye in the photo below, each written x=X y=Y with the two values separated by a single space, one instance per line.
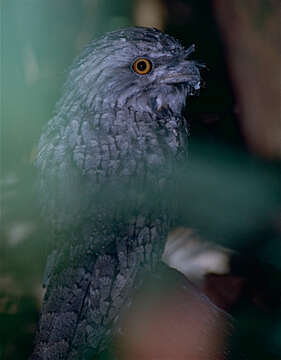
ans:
x=142 y=66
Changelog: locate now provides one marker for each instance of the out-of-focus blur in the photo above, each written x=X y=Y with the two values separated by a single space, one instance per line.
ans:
x=228 y=236
x=171 y=320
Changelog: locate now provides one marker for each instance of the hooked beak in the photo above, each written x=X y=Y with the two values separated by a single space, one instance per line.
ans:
x=183 y=71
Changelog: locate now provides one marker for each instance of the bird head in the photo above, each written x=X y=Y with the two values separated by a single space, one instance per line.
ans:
x=137 y=67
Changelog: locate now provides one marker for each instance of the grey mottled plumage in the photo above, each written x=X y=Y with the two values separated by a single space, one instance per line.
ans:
x=112 y=125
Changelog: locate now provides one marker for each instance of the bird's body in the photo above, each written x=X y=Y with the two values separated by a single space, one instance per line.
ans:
x=119 y=119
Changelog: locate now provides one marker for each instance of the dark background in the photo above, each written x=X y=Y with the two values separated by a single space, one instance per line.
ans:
x=234 y=148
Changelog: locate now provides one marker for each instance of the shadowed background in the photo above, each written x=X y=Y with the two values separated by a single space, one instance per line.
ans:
x=230 y=190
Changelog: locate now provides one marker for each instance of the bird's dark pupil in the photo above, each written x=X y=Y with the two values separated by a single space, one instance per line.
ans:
x=141 y=65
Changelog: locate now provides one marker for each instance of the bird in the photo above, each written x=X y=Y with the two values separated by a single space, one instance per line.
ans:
x=118 y=126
